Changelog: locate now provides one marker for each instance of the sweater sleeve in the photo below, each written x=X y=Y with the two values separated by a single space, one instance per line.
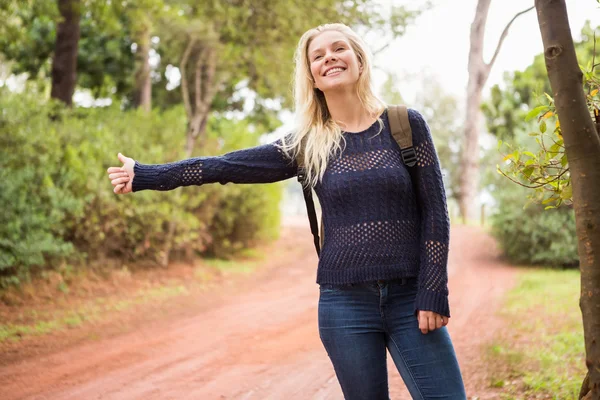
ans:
x=261 y=164
x=435 y=224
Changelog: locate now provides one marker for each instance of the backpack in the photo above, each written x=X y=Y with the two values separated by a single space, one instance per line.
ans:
x=402 y=133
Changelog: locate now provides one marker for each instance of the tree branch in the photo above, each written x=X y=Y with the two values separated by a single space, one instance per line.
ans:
x=198 y=81
x=210 y=86
x=504 y=34
x=185 y=92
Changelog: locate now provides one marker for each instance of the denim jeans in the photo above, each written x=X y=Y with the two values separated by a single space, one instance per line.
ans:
x=358 y=322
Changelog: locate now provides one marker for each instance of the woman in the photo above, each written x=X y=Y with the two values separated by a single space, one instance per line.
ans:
x=382 y=269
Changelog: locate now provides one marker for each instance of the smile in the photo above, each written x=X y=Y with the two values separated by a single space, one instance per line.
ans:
x=335 y=71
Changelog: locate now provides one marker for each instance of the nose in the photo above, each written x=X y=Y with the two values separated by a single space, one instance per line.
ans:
x=330 y=57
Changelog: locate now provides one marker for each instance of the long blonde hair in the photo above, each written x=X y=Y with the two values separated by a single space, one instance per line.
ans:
x=314 y=125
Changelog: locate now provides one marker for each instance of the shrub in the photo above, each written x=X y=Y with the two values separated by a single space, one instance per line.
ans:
x=58 y=205
x=534 y=235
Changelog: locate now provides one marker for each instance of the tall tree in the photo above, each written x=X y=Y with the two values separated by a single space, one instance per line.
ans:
x=64 y=63
x=582 y=145
x=142 y=88
x=479 y=72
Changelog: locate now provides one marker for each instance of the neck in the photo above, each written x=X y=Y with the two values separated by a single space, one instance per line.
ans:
x=347 y=111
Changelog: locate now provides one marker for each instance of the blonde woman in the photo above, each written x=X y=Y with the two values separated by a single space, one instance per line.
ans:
x=382 y=269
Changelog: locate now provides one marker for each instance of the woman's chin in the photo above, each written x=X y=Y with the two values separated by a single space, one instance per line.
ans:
x=338 y=87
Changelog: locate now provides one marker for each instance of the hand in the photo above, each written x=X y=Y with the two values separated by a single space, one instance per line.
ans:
x=430 y=321
x=122 y=177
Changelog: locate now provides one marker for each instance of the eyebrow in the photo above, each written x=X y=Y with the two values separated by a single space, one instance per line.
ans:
x=312 y=53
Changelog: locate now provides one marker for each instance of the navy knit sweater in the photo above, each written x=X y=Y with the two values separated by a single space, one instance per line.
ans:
x=382 y=220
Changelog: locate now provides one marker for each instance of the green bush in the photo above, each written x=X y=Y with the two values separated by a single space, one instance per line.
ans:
x=534 y=235
x=58 y=205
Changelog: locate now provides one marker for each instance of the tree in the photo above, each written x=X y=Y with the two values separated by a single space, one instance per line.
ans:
x=479 y=71
x=64 y=63
x=507 y=108
x=582 y=146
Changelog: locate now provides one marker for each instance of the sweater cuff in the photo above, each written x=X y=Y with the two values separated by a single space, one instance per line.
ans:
x=432 y=301
x=145 y=177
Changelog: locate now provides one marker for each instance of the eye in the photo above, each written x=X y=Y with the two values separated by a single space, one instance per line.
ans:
x=316 y=58
x=339 y=48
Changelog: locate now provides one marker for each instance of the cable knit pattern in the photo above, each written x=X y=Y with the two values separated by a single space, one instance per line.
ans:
x=381 y=219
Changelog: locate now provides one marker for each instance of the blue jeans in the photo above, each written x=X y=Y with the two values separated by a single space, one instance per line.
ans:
x=358 y=322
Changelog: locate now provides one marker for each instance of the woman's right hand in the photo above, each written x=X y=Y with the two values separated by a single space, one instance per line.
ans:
x=122 y=177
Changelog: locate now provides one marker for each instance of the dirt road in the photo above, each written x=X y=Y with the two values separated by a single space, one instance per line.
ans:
x=258 y=340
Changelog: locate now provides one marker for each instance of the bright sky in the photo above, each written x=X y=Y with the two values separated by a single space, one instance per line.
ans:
x=439 y=42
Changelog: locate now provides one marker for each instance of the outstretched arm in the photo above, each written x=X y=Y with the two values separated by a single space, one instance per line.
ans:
x=261 y=164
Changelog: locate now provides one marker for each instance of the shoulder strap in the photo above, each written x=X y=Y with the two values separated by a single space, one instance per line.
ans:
x=402 y=133
x=308 y=199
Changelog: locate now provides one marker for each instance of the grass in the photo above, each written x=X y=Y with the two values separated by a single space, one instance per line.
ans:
x=57 y=320
x=541 y=354
x=41 y=322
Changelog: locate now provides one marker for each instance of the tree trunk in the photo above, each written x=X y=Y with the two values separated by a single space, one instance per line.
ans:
x=582 y=145
x=479 y=72
x=64 y=64
x=142 y=96
x=205 y=88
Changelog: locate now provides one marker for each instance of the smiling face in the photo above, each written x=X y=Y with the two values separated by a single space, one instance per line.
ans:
x=333 y=62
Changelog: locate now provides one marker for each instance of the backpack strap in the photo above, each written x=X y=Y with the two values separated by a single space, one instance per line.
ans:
x=402 y=133
x=308 y=199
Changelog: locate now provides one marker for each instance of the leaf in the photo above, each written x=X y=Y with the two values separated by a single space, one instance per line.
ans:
x=543 y=127
x=549 y=207
x=528 y=171
x=531 y=114
x=594 y=92
x=528 y=153
x=534 y=133
x=567 y=193
x=508 y=156
x=549 y=97
x=563 y=160
x=499 y=144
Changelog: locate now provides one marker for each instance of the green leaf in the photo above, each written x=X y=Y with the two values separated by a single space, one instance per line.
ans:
x=543 y=127
x=563 y=160
x=549 y=97
x=567 y=193
x=549 y=207
x=548 y=200
x=528 y=171
x=528 y=153
x=533 y=113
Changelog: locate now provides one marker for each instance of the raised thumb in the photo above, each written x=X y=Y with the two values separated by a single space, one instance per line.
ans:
x=122 y=158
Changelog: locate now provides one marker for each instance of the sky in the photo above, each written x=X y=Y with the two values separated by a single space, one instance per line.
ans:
x=439 y=42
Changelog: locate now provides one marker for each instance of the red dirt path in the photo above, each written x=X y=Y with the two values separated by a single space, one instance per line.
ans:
x=258 y=339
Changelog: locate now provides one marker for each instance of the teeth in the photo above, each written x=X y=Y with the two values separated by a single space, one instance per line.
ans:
x=334 y=70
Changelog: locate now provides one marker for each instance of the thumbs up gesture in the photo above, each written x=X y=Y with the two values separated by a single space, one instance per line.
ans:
x=122 y=177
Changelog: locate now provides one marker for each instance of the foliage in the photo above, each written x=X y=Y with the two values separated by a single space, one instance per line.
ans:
x=58 y=203
x=538 y=160
x=547 y=171
x=532 y=235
